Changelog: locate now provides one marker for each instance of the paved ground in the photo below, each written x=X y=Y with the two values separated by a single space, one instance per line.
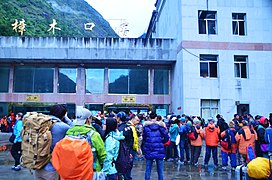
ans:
x=172 y=171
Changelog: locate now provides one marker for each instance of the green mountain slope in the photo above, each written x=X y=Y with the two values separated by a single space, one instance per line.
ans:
x=70 y=15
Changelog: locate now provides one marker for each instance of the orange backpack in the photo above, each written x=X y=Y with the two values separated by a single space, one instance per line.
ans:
x=73 y=159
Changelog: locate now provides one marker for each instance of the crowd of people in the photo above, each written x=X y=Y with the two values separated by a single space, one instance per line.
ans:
x=153 y=138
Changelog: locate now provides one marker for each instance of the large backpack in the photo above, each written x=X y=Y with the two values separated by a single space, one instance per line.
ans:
x=73 y=159
x=36 y=140
x=192 y=134
x=77 y=145
x=123 y=162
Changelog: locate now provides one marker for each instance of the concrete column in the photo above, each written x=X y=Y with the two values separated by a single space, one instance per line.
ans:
x=80 y=88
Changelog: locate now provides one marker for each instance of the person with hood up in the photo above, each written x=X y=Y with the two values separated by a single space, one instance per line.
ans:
x=245 y=137
x=154 y=137
x=225 y=153
x=196 y=144
x=211 y=138
x=261 y=146
x=112 y=145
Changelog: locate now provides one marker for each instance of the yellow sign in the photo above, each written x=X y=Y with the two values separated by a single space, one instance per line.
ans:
x=128 y=99
x=33 y=98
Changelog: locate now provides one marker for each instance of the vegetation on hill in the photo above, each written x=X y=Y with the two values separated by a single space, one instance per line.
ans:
x=70 y=15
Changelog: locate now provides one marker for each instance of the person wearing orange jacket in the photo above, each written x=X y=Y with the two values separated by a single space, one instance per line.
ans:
x=197 y=143
x=244 y=138
x=230 y=151
x=211 y=138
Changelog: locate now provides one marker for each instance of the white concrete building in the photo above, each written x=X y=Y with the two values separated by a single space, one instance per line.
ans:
x=224 y=55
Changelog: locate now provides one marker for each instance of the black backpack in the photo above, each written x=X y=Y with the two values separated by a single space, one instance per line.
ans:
x=123 y=163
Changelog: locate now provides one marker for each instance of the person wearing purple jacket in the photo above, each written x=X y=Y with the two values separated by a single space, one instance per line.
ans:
x=154 y=137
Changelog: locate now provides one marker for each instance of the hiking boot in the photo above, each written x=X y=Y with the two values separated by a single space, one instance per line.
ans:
x=17 y=168
x=233 y=168
x=170 y=160
x=205 y=165
x=196 y=164
x=224 y=168
x=12 y=167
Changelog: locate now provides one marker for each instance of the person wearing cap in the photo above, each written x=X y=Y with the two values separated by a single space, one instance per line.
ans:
x=231 y=153
x=244 y=138
x=261 y=146
x=196 y=144
x=184 y=141
x=211 y=138
x=129 y=139
x=82 y=122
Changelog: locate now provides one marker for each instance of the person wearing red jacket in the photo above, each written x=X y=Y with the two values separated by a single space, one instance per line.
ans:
x=229 y=135
x=211 y=136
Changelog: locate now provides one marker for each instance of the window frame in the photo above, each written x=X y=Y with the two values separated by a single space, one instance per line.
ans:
x=210 y=107
x=237 y=22
x=240 y=65
x=207 y=21
x=203 y=58
x=129 y=89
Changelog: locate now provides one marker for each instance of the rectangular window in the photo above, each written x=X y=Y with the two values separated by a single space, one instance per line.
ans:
x=161 y=81
x=209 y=108
x=4 y=76
x=207 y=22
x=240 y=66
x=239 y=24
x=30 y=79
x=95 y=81
x=67 y=80
x=128 y=81
x=208 y=65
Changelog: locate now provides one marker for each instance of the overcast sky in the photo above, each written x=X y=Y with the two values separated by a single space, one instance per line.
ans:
x=136 y=12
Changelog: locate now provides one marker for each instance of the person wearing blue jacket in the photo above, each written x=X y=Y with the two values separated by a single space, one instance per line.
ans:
x=154 y=137
x=268 y=136
x=184 y=141
x=16 y=146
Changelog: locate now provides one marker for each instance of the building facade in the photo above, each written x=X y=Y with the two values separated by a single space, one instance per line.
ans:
x=224 y=55
x=98 y=73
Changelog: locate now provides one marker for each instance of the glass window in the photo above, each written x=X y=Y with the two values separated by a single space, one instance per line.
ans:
x=240 y=66
x=207 y=22
x=4 y=76
x=128 y=81
x=209 y=108
x=95 y=81
x=238 y=24
x=161 y=81
x=67 y=80
x=208 y=65
x=29 y=79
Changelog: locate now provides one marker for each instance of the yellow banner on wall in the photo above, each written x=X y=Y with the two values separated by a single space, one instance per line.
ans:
x=128 y=99
x=33 y=98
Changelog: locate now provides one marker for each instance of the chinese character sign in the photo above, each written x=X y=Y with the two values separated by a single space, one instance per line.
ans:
x=53 y=26
x=19 y=27
x=89 y=26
